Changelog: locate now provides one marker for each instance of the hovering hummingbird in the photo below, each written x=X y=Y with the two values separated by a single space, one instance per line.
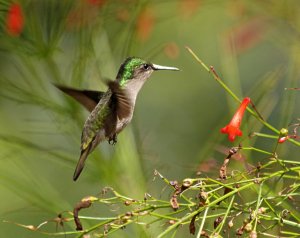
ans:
x=112 y=110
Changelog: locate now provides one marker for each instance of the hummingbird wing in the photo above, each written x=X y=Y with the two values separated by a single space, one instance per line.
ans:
x=87 y=98
x=121 y=98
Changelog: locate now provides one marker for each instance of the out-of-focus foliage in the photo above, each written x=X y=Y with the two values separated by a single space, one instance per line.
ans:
x=254 y=45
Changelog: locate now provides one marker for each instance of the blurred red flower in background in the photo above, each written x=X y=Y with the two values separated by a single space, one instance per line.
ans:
x=188 y=8
x=247 y=35
x=96 y=2
x=171 y=50
x=14 y=20
x=233 y=128
x=145 y=24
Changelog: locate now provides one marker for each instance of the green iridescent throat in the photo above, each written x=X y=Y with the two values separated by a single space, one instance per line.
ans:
x=127 y=69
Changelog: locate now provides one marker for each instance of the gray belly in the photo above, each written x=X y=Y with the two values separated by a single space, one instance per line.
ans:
x=121 y=124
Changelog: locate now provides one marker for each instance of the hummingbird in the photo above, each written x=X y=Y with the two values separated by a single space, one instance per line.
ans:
x=111 y=111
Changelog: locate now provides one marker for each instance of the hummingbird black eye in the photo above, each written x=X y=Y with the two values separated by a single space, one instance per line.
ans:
x=146 y=66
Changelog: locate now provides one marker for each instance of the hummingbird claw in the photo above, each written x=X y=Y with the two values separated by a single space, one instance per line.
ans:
x=113 y=140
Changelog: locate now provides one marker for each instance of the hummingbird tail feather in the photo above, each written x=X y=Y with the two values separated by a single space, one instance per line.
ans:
x=80 y=165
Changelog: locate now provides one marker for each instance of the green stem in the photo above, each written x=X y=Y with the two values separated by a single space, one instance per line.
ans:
x=202 y=223
x=265 y=135
x=279 y=219
x=257 y=150
x=219 y=228
x=257 y=205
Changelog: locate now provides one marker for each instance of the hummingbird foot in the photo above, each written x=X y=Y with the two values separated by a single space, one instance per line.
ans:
x=113 y=140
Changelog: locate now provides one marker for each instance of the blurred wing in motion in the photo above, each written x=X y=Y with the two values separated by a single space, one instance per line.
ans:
x=87 y=98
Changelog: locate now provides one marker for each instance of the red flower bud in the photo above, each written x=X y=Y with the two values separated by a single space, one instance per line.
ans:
x=233 y=128
x=14 y=20
x=282 y=139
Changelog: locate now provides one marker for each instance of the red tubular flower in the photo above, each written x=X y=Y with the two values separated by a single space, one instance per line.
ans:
x=233 y=128
x=14 y=20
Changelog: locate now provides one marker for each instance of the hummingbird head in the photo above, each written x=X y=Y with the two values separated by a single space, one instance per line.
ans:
x=134 y=72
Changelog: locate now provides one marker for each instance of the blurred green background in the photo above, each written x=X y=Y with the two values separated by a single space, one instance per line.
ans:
x=253 y=45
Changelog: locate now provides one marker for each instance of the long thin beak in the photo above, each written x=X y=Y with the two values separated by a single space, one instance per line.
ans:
x=160 y=67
